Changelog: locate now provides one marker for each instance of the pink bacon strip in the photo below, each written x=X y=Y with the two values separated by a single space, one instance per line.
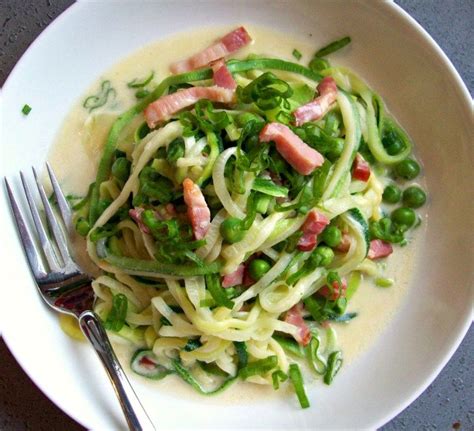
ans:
x=318 y=108
x=162 y=109
x=230 y=43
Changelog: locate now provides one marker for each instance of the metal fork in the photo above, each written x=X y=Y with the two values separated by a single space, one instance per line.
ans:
x=67 y=289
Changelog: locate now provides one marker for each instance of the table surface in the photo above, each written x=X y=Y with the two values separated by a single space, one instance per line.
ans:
x=448 y=403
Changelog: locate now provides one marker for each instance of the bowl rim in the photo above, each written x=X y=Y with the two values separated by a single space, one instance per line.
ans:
x=388 y=7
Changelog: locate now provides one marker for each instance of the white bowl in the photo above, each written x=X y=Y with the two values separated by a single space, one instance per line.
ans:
x=422 y=90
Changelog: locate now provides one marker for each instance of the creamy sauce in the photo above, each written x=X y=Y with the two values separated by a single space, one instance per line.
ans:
x=76 y=152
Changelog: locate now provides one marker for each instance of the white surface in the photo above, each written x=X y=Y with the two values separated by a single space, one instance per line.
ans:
x=421 y=89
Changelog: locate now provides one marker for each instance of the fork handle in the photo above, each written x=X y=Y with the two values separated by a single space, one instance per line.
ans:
x=133 y=410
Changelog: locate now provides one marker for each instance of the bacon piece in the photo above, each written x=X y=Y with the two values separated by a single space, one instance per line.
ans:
x=294 y=316
x=198 y=211
x=222 y=76
x=162 y=109
x=136 y=216
x=234 y=278
x=313 y=225
x=299 y=155
x=336 y=291
x=318 y=108
x=379 y=248
x=230 y=43
x=360 y=169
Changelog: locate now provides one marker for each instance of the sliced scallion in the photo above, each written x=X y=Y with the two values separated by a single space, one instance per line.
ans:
x=297 y=380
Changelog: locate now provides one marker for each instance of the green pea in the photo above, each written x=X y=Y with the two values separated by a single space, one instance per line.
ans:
x=323 y=255
x=331 y=236
x=392 y=194
x=404 y=216
x=408 y=169
x=121 y=169
x=414 y=197
x=392 y=143
x=82 y=226
x=175 y=150
x=258 y=268
x=231 y=230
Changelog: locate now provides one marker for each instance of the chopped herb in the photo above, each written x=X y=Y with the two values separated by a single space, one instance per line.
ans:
x=333 y=47
x=100 y=99
x=297 y=54
x=26 y=109
x=137 y=83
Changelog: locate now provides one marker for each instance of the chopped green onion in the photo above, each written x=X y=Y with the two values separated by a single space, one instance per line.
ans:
x=383 y=282
x=217 y=291
x=297 y=380
x=100 y=99
x=333 y=47
x=116 y=317
x=26 y=109
x=316 y=362
x=268 y=187
x=242 y=355
x=297 y=54
x=334 y=365
x=136 y=83
x=260 y=367
x=290 y=346
x=277 y=377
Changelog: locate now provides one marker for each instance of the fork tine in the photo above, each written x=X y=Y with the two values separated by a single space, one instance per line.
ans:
x=53 y=223
x=43 y=236
x=34 y=258
x=63 y=204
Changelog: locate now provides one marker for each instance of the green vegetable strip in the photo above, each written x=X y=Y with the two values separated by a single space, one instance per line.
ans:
x=290 y=346
x=297 y=380
x=217 y=291
x=136 y=83
x=214 y=153
x=260 y=367
x=333 y=47
x=268 y=187
x=116 y=317
x=242 y=355
x=334 y=365
x=213 y=369
x=272 y=63
x=189 y=378
x=153 y=266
